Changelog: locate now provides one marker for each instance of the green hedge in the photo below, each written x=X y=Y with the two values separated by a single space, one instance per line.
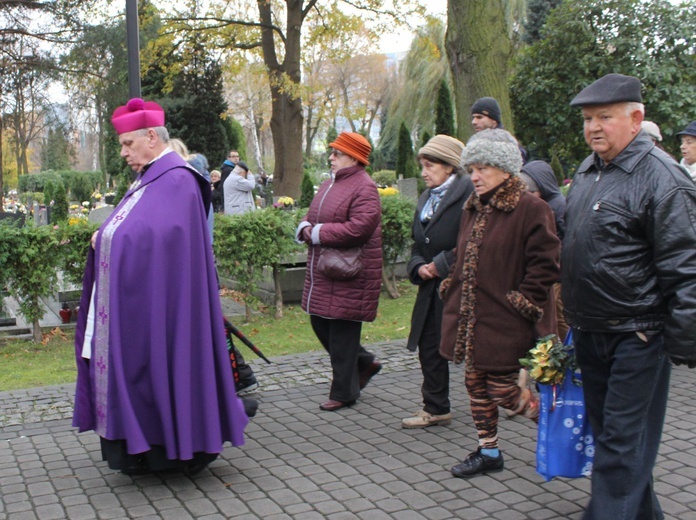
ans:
x=79 y=183
x=31 y=256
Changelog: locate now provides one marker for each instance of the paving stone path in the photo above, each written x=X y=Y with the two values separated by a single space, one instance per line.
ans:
x=301 y=463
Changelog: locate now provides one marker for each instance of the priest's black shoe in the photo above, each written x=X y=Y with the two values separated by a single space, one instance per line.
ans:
x=332 y=406
x=477 y=464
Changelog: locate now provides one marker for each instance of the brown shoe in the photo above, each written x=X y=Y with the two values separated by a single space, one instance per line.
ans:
x=423 y=419
x=528 y=405
x=332 y=406
x=522 y=382
x=369 y=372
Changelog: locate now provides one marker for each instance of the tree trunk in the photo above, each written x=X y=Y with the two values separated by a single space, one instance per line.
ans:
x=278 y=293
x=478 y=48
x=286 y=127
x=286 y=104
x=255 y=138
x=308 y=131
x=36 y=331
x=392 y=291
x=1 y=169
x=247 y=312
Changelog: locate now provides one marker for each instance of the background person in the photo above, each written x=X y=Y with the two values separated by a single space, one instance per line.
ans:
x=497 y=299
x=238 y=190
x=629 y=290
x=154 y=379
x=653 y=131
x=217 y=199
x=541 y=181
x=688 y=149
x=435 y=228
x=485 y=114
x=345 y=213
x=227 y=166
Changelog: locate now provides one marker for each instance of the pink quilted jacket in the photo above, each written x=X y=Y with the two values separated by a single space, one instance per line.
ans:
x=349 y=210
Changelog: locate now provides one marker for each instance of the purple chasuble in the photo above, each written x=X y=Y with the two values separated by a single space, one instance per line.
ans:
x=159 y=372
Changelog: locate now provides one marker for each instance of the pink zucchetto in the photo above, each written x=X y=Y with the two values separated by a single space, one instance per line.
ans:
x=136 y=115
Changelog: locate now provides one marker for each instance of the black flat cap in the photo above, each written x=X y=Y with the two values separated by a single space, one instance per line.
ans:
x=612 y=88
x=689 y=130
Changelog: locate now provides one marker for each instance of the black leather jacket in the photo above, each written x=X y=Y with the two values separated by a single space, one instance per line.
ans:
x=629 y=253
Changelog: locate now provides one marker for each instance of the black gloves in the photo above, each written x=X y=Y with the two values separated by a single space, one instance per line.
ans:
x=691 y=363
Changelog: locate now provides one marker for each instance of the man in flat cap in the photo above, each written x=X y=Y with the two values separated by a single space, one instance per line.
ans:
x=629 y=290
x=154 y=377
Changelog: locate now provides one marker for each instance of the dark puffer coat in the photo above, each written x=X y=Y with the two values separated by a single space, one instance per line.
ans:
x=497 y=300
x=349 y=212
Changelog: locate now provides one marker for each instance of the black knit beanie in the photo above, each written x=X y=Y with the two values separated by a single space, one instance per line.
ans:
x=487 y=106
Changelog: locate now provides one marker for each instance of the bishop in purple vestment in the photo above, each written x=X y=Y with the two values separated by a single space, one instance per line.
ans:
x=154 y=377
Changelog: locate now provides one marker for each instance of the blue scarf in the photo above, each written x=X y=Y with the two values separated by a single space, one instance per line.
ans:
x=433 y=201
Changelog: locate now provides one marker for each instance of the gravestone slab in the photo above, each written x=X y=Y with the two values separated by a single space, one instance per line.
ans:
x=408 y=188
x=13 y=218
x=99 y=215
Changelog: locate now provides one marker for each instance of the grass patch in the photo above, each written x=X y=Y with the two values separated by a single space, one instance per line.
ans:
x=26 y=365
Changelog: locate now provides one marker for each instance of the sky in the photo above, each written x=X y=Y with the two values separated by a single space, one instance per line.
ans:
x=400 y=41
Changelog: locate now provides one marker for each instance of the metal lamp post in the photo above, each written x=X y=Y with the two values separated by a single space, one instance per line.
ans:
x=133 y=45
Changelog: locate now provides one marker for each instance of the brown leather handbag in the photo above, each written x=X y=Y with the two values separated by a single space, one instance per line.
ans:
x=340 y=263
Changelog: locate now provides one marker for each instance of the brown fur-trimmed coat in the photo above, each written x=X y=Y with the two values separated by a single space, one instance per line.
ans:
x=498 y=299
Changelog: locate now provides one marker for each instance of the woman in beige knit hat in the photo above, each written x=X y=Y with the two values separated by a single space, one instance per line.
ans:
x=435 y=229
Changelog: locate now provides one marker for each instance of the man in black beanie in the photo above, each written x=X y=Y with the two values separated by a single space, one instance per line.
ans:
x=629 y=290
x=485 y=114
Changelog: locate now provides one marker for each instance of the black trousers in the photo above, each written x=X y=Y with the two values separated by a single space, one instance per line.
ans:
x=341 y=339
x=435 y=368
x=625 y=381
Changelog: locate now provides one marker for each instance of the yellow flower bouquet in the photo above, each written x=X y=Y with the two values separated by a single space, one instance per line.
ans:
x=549 y=360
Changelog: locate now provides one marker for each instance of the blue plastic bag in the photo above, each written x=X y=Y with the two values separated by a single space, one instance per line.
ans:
x=565 y=444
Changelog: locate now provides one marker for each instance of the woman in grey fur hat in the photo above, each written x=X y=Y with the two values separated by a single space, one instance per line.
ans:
x=497 y=298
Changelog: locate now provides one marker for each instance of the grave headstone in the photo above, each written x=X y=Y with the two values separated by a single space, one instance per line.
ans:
x=40 y=214
x=16 y=218
x=408 y=188
x=6 y=319
x=99 y=215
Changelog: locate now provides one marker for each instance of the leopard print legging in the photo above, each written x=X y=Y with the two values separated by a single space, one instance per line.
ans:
x=489 y=391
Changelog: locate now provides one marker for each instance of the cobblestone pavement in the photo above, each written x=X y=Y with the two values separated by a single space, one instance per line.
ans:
x=301 y=463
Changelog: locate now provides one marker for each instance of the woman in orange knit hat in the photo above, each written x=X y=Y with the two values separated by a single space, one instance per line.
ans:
x=344 y=219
